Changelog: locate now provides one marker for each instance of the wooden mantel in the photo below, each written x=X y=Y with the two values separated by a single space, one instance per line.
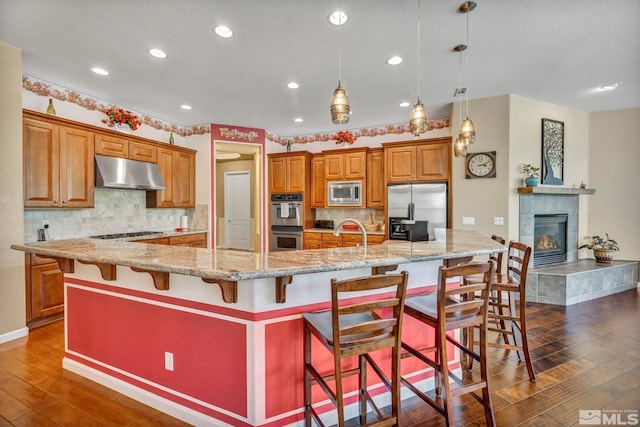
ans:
x=556 y=190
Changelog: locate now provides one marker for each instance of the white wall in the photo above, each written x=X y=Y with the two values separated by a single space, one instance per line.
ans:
x=614 y=171
x=12 y=296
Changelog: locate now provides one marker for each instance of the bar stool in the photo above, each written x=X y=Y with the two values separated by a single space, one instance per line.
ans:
x=457 y=307
x=355 y=328
x=505 y=286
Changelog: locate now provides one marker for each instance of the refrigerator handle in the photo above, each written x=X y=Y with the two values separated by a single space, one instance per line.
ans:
x=411 y=210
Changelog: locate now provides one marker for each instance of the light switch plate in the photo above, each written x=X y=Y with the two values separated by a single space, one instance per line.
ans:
x=498 y=220
x=468 y=220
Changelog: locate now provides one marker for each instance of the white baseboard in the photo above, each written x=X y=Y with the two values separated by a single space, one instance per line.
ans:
x=14 y=335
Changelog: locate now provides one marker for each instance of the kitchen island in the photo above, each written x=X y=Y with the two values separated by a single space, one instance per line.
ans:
x=214 y=337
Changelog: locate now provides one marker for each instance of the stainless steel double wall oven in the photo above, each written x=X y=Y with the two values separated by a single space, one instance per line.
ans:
x=286 y=222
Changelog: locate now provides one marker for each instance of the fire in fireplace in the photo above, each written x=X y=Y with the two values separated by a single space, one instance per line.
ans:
x=550 y=239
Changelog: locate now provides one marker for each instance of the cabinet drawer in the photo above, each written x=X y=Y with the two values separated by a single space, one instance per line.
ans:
x=329 y=237
x=156 y=241
x=375 y=239
x=312 y=236
x=193 y=240
x=352 y=238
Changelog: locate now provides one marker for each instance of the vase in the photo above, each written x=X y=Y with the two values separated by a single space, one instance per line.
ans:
x=531 y=182
x=603 y=256
x=124 y=128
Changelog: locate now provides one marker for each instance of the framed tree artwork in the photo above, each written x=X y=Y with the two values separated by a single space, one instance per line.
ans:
x=552 y=152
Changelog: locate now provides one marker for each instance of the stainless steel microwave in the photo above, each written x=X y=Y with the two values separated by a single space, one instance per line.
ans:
x=344 y=193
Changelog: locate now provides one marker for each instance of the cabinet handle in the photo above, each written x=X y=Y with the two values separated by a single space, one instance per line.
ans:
x=64 y=202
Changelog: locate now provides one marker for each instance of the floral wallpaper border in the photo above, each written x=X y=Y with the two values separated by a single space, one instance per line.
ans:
x=42 y=88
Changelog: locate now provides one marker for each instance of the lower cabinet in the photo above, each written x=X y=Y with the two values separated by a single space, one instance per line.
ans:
x=196 y=240
x=324 y=240
x=44 y=286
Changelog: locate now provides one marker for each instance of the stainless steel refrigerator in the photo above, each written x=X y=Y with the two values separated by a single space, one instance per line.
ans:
x=419 y=202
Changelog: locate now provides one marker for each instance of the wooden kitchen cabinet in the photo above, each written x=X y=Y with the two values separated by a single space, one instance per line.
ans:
x=155 y=241
x=110 y=145
x=197 y=240
x=345 y=164
x=289 y=172
x=418 y=162
x=318 y=187
x=178 y=170
x=375 y=178
x=44 y=290
x=311 y=240
x=57 y=165
x=324 y=240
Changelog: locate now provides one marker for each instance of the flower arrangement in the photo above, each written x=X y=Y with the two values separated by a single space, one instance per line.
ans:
x=597 y=242
x=120 y=116
x=344 y=137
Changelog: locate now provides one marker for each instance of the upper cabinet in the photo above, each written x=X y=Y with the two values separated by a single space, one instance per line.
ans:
x=375 y=178
x=109 y=145
x=58 y=165
x=318 y=186
x=424 y=161
x=178 y=170
x=289 y=172
x=345 y=164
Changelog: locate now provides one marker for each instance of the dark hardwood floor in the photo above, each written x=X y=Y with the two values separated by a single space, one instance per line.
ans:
x=586 y=356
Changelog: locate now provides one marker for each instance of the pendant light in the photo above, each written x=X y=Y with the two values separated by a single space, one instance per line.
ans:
x=340 y=108
x=418 y=117
x=467 y=132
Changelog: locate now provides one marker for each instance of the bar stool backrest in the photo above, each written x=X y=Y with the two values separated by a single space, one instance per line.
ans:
x=369 y=335
x=465 y=305
x=518 y=262
x=497 y=257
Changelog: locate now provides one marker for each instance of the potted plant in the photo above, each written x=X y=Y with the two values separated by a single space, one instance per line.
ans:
x=531 y=175
x=603 y=247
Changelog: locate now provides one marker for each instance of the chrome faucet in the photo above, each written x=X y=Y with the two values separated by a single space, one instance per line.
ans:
x=360 y=226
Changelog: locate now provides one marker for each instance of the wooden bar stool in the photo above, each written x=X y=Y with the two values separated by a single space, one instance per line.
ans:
x=457 y=307
x=503 y=311
x=357 y=328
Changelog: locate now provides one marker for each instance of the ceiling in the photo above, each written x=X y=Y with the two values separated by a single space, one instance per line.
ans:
x=554 y=51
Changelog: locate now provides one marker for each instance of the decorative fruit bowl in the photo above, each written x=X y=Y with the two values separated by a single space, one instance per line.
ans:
x=349 y=227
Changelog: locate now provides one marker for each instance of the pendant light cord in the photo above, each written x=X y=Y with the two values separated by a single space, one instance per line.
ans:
x=418 y=50
x=467 y=64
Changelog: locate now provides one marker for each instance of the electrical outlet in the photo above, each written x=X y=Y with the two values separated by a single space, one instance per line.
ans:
x=468 y=220
x=498 y=220
x=168 y=361
x=45 y=223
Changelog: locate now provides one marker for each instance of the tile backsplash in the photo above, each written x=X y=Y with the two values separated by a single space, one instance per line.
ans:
x=115 y=211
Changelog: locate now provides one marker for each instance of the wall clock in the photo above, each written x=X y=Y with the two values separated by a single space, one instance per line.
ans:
x=481 y=165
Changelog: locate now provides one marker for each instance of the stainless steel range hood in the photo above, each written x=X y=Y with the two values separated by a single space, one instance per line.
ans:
x=113 y=172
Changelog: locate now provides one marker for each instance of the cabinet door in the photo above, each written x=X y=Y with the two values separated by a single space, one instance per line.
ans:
x=41 y=164
x=355 y=165
x=375 y=179
x=163 y=198
x=334 y=166
x=184 y=184
x=198 y=240
x=108 y=145
x=278 y=175
x=317 y=182
x=400 y=164
x=142 y=152
x=155 y=241
x=76 y=168
x=47 y=290
x=433 y=162
x=296 y=174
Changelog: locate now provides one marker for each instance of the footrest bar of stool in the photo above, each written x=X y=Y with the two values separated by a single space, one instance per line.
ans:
x=420 y=356
x=431 y=402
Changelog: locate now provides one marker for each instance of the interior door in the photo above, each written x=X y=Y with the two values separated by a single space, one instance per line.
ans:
x=237 y=210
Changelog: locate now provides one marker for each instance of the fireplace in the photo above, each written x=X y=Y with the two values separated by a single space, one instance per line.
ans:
x=550 y=239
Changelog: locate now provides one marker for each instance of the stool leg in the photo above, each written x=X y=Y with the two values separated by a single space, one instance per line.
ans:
x=339 y=393
x=484 y=375
x=525 y=341
x=307 y=377
x=362 y=375
x=443 y=362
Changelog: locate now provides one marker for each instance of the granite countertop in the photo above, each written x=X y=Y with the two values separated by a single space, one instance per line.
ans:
x=239 y=265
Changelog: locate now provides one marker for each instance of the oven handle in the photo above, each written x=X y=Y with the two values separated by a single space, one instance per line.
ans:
x=287 y=228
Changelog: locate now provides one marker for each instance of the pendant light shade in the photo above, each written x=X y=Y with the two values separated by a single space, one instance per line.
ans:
x=460 y=148
x=418 y=119
x=340 y=108
x=467 y=131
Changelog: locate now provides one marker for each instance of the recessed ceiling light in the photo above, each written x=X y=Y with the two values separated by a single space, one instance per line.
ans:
x=394 y=60
x=224 y=32
x=338 y=17
x=298 y=120
x=405 y=104
x=100 y=71
x=293 y=85
x=157 y=53
x=609 y=86
x=185 y=107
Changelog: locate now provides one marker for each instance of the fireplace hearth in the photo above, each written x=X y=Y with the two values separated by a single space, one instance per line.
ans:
x=550 y=239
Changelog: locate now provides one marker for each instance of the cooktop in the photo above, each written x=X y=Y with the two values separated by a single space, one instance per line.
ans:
x=125 y=235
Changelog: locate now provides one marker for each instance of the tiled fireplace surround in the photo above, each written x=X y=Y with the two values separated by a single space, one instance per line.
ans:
x=575 y=280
